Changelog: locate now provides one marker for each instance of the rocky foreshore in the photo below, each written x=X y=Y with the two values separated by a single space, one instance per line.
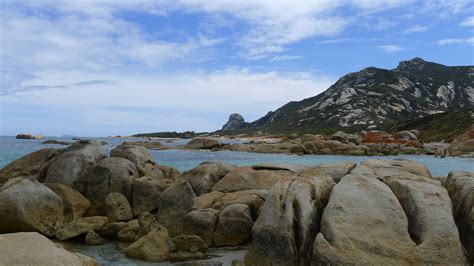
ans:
x=367 y=143
x=379 y=212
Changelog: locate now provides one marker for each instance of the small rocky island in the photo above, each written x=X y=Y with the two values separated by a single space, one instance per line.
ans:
x=379 y=212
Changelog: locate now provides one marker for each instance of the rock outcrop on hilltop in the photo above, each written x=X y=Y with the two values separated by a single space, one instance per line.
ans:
x=388 y=212
x=235 y=122
x=375 y=97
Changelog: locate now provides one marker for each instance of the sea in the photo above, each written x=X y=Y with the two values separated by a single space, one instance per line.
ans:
x=12 y=149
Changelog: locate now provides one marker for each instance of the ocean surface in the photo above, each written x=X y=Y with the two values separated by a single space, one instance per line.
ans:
x=11 y=149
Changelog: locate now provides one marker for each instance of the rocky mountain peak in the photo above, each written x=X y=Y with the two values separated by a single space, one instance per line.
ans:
x=235 y=121
x=415 y=64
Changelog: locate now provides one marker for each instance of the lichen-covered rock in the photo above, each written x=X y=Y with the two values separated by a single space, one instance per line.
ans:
x=146 y=192
x=289 y=221
x=92 y=238
x=201 y=223
x=189 y=243
x=35 y=249
x=206 y=175
x=460 y=185
x=151 y=247
x=129 y=232
x=75 y=162
x=234 y=225
x=75 y=204
x=175 y=202
x=27 y=205
x=81 y=226
x=33 y=163
x=117 y=207
x=247 y=178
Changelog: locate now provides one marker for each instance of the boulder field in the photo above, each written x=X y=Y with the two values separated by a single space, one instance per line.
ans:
x=379 y=212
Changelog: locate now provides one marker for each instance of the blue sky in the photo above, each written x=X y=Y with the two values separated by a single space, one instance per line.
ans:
x=104 y=68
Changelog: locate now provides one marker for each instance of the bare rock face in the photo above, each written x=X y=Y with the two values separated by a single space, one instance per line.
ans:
x=235 y=121
x=118 y=208
x=32 y=163
x=247 y=178
x=201 y=223
x=110 y=175
x=75 y=204
x=175 y=202
x=335 y=170
x=27 y=205
x=81 y=226
x=146 y=191
x=380 y=168
x=460 y=185
x=151 y=247
x=289 y=221
x=463 y=145
x=35 y=249
x=130 y=232
x=206 y=175
x=75 y=163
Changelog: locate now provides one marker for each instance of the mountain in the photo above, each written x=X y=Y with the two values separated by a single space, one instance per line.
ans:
x=375 y=97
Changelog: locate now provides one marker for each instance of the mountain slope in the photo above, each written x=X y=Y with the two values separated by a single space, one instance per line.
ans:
x=374 y=96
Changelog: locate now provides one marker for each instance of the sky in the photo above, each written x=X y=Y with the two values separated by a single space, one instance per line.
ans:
x=101 y=68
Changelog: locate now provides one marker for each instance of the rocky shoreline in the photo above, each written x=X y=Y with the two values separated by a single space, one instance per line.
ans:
x=375 y=212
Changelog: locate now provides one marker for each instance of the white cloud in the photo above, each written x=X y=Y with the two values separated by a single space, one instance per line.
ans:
x=468 y=41
x=282 y=58
x=417 y=28
x=391 y=48
x=468 y=22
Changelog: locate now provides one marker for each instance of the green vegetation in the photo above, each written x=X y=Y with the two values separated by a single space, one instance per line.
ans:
x=437 y=127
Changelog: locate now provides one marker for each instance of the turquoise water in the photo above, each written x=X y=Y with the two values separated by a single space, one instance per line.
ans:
x=11 y=149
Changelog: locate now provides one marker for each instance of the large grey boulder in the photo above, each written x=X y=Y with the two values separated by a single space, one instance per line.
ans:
x=247 y=178
x=75 y=163
x=345 y=137
x=235 y=121
x=202 y=144
x=27 y=205
x=143 y=161
x=35 y=249
x=335 y=170
x=202 y=223
x=118 y=208
x=381 y=168
x=175 y=202
x=289 y=221
x=33 y=163
x=110 y=175
x=206 y=175
x=460 y=185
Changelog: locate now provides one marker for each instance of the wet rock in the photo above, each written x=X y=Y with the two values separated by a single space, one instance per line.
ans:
x=33 y=163
x=81 y=226
x=289 y=221
x=75 y=204
x=110 y=175
x=151 y=247
x=234 y=225
x=202 y=144
x=117 y=207
x=75 y=163
x=146 y=192
x=247 y=178
x=130 y=232
x=189 y=243
x=35 y=249
x=27 y=205
x=206 y=175
x=92 y=238
x=175 y=202
x=56 y=142
x=460 y=185
x=201 y=223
